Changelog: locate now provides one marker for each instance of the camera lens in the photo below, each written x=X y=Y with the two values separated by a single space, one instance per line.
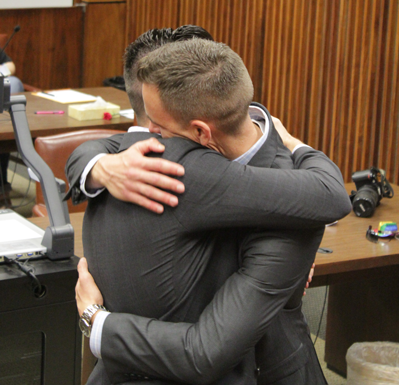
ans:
x=365 y=202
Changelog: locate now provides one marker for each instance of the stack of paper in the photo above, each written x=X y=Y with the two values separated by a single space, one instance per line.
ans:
x=66 y=96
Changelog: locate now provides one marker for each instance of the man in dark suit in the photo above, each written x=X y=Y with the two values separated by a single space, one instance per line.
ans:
x=216 y=198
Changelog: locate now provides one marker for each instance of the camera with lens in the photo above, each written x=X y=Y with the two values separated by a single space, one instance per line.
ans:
x=371 y=187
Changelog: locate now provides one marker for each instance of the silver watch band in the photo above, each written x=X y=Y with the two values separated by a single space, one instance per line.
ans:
x=85 y=320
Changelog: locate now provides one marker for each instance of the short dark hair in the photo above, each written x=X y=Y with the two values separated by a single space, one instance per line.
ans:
x=189 y=31
x=147 y=42
x=199 y=79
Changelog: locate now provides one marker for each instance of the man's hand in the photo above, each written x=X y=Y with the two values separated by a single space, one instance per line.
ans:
x=310 y=277
x=289 y=141
x=132 y=177
x=87 y=292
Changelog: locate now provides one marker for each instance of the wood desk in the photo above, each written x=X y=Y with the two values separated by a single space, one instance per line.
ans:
x=44 y=125
x=354 y=257
x=363 y=301
x=363 y=277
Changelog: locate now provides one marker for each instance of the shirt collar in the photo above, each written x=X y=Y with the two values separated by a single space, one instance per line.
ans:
x=259 y=117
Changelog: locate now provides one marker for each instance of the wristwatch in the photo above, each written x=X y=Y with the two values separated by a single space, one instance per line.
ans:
x=85 y=319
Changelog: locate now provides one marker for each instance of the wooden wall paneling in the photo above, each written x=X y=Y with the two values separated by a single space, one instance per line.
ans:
x=297 y=69
x=214 y=16
x=393 y=153
x=271 y=58
x=147 y=14
x=367 y=86
x=357 y=83
x=388 y=150
x=370 y=89
x=346 y=88
x=128 y=11
x=247 y=38
x=376 y=102
x=343 y=107
x=328 y=69
x=164 y=14
x=188 y=13
x=47 y=50
x=104 y=42
x=315 y=74
x=287 y=58
x=362 y=85
x=328 y=126
x=134 y=17
x=339 y=124
x=267 y=55
x=301 y=83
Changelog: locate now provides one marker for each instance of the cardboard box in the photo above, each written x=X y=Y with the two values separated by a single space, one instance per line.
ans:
x=91 y=112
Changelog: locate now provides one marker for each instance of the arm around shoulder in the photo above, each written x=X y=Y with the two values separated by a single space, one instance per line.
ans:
x=80 y=158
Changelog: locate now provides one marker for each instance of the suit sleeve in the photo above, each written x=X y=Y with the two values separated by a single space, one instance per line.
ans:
x=202 y=352
x=81 y=157
x=274 y=271
x=222 y=194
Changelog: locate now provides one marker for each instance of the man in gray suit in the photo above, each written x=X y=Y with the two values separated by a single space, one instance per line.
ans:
x=218 y=198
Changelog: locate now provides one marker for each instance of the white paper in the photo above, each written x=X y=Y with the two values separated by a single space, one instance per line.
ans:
x=127 y=113
x=66 y=96
x=12 y=230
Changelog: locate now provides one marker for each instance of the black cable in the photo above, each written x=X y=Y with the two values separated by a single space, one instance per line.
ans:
x=321 y=316
x=37 y=288
x=2 y=190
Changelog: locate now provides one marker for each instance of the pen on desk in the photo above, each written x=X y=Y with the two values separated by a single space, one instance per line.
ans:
x=49 y=112
x=46 y=93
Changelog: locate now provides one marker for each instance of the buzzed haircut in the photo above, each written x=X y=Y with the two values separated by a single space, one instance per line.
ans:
x=199 y=79
x=147 y=42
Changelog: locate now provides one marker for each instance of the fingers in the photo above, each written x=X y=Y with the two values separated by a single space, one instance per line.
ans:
x=86 y=290
x=82 y=266
x=154 y=164
x=148 y=203
x=84 y=275
x=133 y=177
x=311 y=273
x=162 y=165
x=149 y=145
x=148 y=196
x=152 y=179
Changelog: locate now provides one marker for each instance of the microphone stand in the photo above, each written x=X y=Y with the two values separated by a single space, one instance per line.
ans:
x=59 y=236
x=16 y=29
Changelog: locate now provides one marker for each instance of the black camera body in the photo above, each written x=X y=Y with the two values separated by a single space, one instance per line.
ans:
x=371 y=187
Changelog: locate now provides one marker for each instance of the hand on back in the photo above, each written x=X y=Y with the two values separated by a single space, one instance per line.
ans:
x=133 y=177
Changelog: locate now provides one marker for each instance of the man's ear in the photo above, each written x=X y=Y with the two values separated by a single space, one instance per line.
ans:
x=201 y=131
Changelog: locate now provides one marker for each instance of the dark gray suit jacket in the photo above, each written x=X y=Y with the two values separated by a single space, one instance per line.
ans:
x=182 y=268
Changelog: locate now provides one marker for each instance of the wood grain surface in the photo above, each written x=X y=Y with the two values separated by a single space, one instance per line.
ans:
x=328 y=69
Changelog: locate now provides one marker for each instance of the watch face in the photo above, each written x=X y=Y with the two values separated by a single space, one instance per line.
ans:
x=85 y=327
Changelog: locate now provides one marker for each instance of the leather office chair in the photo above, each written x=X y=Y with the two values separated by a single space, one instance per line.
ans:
x=55 y=151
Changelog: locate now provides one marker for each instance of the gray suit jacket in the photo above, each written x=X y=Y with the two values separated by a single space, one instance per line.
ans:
x=183 y=270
